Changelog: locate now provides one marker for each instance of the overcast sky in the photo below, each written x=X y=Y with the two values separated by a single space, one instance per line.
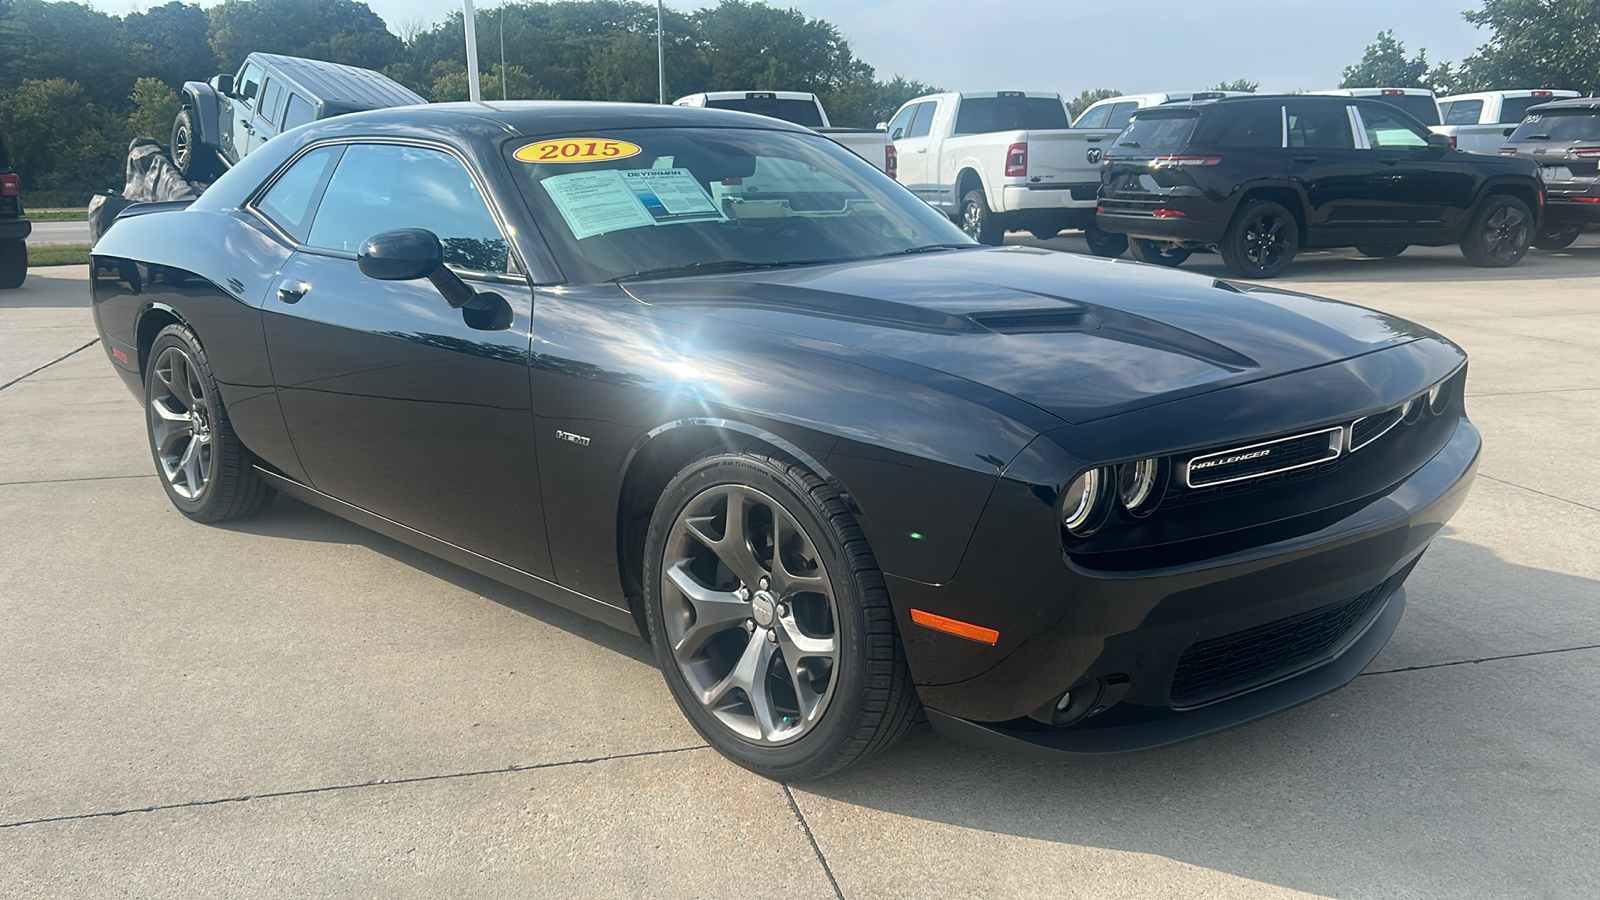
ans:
x=1135 y=46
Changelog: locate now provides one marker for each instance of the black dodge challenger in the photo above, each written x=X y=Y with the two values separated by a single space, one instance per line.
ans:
x=712 y=377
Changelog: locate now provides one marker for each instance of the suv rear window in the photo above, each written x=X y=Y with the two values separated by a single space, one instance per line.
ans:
x=1158 y=130
x=1562 y=126
x=800 y=112
x=981 y=115
x=1512 y=109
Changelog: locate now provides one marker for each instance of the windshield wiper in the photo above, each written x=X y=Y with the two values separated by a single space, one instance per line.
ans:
x=927 y=248
x=1128 y=144
x=713 y=267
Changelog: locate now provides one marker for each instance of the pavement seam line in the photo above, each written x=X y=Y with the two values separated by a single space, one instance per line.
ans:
x=84 y=478
x=816 y=848
x=1583 y=390
x=382 y=782
x=1537 y=491
x=1468 y=662
x=49 y=364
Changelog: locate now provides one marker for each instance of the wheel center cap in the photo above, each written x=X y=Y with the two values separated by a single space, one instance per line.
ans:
x=764 y=608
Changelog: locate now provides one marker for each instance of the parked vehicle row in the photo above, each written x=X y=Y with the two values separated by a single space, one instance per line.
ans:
x=1481 y=122
x=1563 y=137
x=803 y=109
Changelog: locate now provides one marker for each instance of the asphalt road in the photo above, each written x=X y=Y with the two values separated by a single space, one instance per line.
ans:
x=59 y=233
x=293 y=706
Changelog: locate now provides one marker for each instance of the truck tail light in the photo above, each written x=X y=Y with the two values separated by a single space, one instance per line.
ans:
x=1017 y=160
x=1167 y=214
x=1162 y=162
x=1586 y=151
x=891 y=162
x=1453 y=143
x=10 y=186
x=1541 y=93
x=1393 y=92
x=1586 y=199
x=1508 y=151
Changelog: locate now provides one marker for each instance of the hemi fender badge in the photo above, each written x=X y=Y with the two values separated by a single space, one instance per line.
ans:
x=578 y=439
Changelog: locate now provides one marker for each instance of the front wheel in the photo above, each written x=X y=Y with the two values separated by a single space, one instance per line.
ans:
x=194 y=160
x=1500 y=233
x=1381 y=251
x=978 y=222
x=1262 y=240
x=1157 y=253
x=13 y=264
x=1555 y=240
x=1104 y=243
x=206 y=471
x=770 y=619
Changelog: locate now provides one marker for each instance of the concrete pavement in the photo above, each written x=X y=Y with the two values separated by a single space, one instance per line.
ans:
x=294 y=706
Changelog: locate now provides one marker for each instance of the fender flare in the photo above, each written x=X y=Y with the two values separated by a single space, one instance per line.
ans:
x=204 y=107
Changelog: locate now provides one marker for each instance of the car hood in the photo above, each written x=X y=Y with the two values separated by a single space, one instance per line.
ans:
x=1079 y=337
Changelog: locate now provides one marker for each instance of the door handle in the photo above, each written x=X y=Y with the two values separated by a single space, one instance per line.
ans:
x=923 y=150
x=249 y=127
x=292 y=292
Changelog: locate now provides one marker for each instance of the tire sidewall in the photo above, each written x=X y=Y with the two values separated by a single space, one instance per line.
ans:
x=989 y=231
x=1102 y=242
x=1477 y=250
x=183 y=124
x=206 y=505
x=838 y=722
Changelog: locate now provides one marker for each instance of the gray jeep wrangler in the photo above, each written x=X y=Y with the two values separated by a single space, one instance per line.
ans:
x=230 y=115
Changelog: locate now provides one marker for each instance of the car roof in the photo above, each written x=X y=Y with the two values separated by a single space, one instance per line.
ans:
x=1484 y=95
x=340 y=85
x=537 y=117
x=1580 y=103
x=1374 y=92
x=745 y=95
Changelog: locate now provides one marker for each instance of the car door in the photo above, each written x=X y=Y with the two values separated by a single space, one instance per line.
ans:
x=395 y=402
x=242 y=111
x=1415 y=188
x=264 y=124
x=918 y=164
x=1326 y=167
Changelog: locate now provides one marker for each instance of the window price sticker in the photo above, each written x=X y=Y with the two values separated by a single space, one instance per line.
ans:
x=611 y=200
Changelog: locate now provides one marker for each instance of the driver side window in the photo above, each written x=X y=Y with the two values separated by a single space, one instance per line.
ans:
x=249 y=84
x=897 y=128
x=381 y=187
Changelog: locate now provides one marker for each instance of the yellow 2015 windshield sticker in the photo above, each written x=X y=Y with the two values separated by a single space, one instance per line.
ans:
x=576 y=150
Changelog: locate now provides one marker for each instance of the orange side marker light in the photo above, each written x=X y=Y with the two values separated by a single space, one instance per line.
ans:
x=956 y=627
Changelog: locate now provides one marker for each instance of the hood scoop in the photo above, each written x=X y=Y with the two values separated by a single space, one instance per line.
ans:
x=1037 y=321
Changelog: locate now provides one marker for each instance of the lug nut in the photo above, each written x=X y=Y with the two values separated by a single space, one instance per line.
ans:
x=750 y=626
x=765 y=582
x=783 y=610
x=743 y=593
x=772 y=637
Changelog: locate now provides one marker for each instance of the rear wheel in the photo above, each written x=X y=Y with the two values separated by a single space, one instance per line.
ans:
x=770 y=619
x=978 y=222
x=1104 y=243
x=1262 y=240
x=1157 y=253
x=1500 y=233
x=13 y=263
x=206 y=471
x=1381 y=251
x=1555 y=240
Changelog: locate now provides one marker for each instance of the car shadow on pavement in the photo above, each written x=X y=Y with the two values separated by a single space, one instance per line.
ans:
x=290 y=519
x=1452 y=780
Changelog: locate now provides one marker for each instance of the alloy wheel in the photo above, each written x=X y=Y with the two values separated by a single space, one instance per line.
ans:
x=180 y=423
x=1264 y=241
x=972 y=220
x=749 y=614
x=180 y=148
x=1505 y=233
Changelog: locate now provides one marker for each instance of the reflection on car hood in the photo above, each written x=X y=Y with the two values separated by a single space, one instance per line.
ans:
x=1079 y=337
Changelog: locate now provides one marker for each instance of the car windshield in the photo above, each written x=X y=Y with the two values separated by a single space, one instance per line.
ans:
x=1562 y=126
x=662 y=202
x=1158 y=130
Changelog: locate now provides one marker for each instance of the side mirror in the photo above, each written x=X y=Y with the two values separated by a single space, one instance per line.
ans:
x=1438 y=144
x=407 y=254
x=224 y=84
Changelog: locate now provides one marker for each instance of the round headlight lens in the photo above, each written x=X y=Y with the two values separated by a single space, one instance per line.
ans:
x=1080 y=503
x=1412 y=411
x=1136 y=482
x=1437 y=398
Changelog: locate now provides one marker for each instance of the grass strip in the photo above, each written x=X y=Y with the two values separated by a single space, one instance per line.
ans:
x=57 y=215
x=58 y=254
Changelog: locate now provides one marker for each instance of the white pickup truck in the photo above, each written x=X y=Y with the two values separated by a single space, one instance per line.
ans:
x=802 y=109
x=1481 y=122
x=1000 y=161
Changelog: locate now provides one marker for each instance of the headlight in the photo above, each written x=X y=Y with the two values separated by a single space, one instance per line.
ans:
x=1437 y=398
x=1137 y=483
x=1083 y=502
x=1412 y=411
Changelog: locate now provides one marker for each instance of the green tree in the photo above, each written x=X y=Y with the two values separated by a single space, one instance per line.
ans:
x=1385 y=65
x=342 y=31
x=172 y=43
x=1238 y=84
x=1536 y=44
x=59 y=140
x=41 y=41
x=154 y=107
x=865 y=101
x=752 y=46
x=519 y=86
x=1088 y=98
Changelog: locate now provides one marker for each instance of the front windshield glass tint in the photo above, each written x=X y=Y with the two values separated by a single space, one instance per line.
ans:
x=1577 y=125
x=1157 y=131
x=680 y=200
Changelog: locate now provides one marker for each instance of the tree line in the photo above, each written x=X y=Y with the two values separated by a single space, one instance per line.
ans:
x=77 y=84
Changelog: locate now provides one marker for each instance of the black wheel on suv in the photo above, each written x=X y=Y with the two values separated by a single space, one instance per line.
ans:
x=1262 y=240
x=195 y=161
x=13 y=264
x=1500 y=232
x=1555 y=240
x=1157 y=253
x=1381 y=251
x=976 y=220
x=1105 y=243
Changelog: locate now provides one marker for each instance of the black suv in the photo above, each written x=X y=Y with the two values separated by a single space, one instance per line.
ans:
x=14 y=228
x=1260 y=178
x=1563 y=137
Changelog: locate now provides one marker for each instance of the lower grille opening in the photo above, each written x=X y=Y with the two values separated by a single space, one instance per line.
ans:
x=1232 y=664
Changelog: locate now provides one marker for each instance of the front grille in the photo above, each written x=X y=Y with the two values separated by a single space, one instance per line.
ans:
x=1254 y=460
x=1232 y=664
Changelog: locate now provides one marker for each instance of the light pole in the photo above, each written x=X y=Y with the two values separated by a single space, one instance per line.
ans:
x=470 y=21
x=661 y=56
x=502 y=49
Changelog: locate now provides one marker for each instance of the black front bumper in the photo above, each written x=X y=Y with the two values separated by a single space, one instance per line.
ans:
x=15 y=229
